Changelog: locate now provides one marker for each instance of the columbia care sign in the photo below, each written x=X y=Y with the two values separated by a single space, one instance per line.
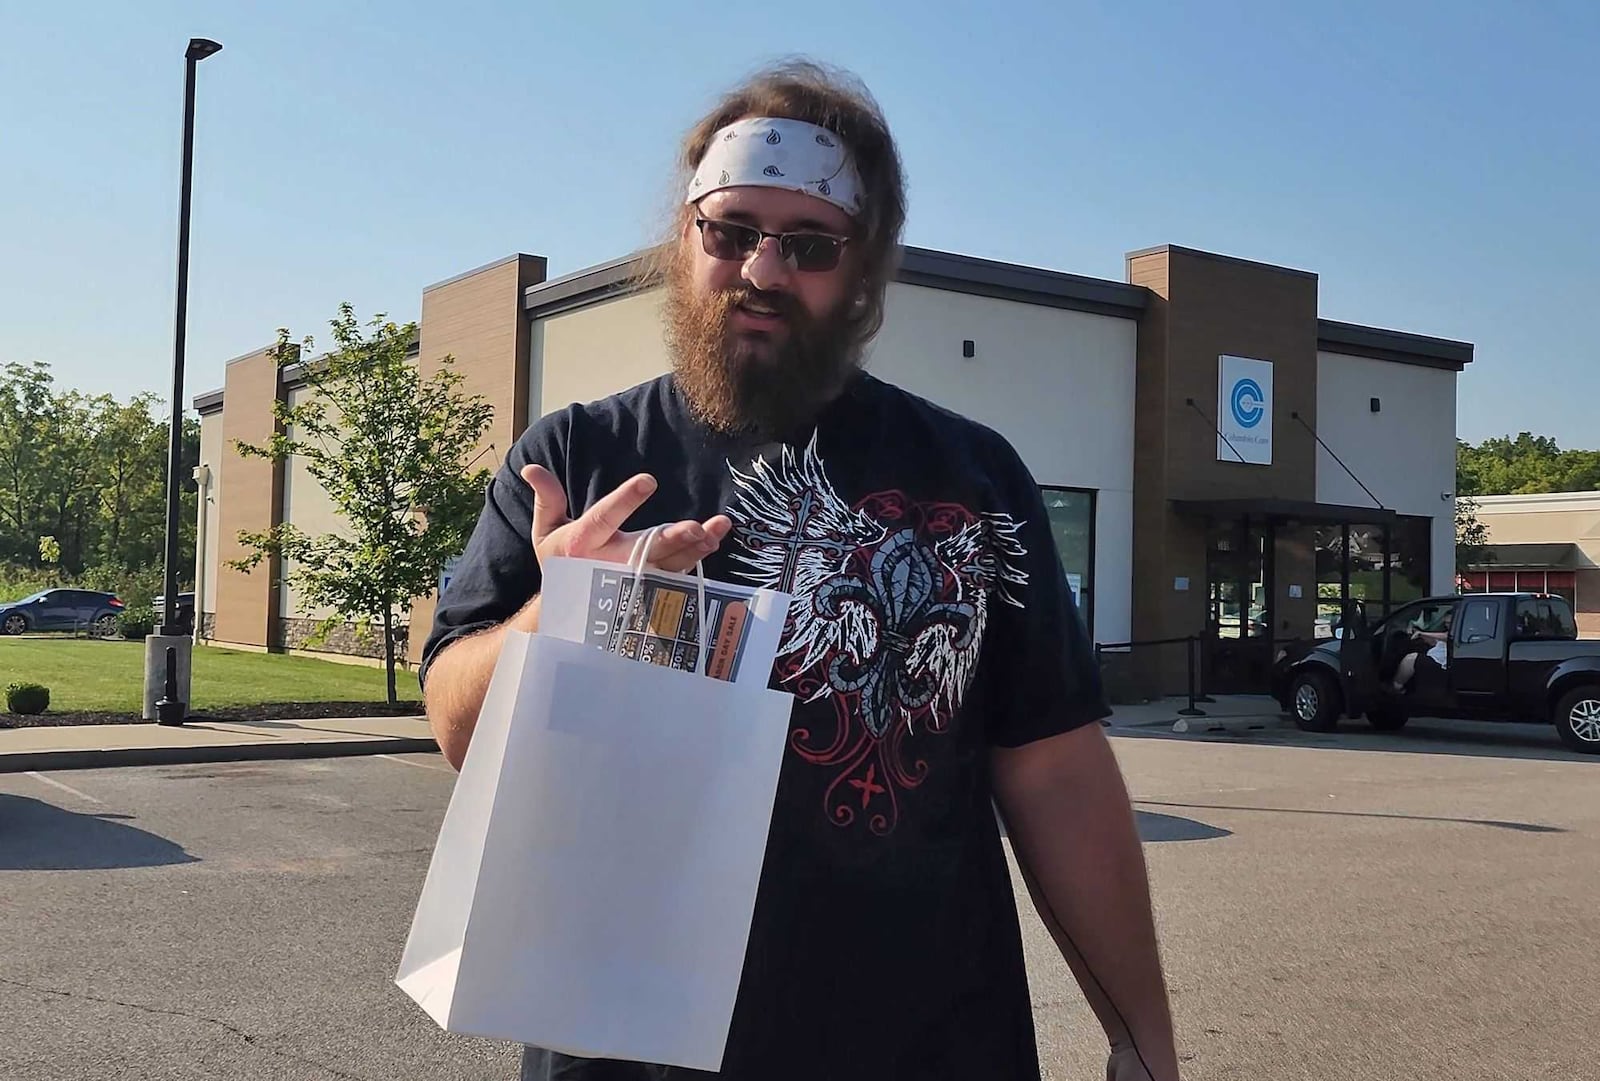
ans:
x=1244 y=410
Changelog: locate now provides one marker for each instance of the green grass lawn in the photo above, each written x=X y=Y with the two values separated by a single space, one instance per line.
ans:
x=90 y=675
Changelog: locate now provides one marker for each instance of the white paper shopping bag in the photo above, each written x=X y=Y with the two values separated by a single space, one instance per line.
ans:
x=595 y=874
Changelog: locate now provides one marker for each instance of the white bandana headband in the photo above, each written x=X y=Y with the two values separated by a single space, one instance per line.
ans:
x=773 y=153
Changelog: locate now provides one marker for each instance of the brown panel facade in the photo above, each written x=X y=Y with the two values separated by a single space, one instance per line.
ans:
x=1216 y=306
x=1152 y=575
x=478 y=319
x=1205 y=306
x=247 y=604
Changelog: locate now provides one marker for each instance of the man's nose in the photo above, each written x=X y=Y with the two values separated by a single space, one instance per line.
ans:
x=767 y=269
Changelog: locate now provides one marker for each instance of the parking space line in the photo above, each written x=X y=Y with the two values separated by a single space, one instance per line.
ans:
x=417 y=765
x=53 y=783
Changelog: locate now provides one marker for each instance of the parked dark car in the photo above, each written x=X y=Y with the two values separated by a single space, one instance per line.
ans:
x=1510 y=657
x=185 y=611
x=62 y=610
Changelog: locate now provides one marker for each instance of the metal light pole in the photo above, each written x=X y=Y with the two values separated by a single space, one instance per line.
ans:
x=166 y=661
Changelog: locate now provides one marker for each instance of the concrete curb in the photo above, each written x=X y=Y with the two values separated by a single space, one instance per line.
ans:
x=105 y=758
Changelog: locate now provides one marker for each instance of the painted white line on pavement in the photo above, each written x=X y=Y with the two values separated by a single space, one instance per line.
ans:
x=52 y=782
x=418 y=765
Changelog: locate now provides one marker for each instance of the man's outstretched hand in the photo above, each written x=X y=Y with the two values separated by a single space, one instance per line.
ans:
x=598 y=534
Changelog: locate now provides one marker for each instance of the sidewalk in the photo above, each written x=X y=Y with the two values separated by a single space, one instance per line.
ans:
x=1230 y=712
x=94 y=746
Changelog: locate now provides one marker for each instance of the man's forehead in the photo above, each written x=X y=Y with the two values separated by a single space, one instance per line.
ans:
x=774 y=209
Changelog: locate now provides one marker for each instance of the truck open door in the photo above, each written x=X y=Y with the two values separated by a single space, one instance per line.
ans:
x=1358 y=660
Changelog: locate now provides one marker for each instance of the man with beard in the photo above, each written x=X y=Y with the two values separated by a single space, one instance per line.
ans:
x=938 y=665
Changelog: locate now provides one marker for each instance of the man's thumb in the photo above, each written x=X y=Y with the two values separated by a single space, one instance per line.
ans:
x=549 y=501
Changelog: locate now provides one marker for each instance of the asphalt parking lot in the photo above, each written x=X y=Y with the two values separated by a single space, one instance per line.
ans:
x=1349 y=906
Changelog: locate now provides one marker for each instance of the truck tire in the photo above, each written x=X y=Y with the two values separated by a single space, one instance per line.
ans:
x=1387 y=718
x=1578 y=718
x=1314 y=701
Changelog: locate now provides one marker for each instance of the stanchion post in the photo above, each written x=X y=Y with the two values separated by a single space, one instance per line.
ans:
x=1194 y=649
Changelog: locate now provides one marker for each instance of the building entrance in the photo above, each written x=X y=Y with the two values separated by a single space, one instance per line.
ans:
x=1236 y=651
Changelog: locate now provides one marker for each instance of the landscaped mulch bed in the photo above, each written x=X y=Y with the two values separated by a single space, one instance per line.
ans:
x=273 y=711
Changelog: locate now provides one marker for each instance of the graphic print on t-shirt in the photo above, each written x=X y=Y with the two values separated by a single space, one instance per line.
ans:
x=890 y=601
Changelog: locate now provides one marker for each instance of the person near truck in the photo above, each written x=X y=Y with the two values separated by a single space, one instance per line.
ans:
x=1433 y=645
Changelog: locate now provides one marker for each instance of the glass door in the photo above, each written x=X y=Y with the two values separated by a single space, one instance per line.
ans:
x=1237 y=653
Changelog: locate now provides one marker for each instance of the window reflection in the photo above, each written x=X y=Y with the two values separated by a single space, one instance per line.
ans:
x=1071 y=514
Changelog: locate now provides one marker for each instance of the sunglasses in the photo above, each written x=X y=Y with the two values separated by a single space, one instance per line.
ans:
x=809 y=252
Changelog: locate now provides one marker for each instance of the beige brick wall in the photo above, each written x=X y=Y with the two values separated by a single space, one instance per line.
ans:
x=247 y=604
x=1556 y=518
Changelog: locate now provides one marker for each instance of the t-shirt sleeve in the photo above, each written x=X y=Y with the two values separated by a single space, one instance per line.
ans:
x=498 y=573
x=1040 y=665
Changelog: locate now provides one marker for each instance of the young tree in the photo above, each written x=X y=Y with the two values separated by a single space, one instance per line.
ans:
x=395 y=454
x=1472 y=536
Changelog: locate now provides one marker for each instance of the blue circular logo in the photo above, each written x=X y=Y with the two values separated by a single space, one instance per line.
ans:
x=1246 y=402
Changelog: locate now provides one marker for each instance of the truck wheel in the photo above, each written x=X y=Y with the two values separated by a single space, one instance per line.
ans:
x=1387 y=719
x=1314 y=702
x=1578 y=719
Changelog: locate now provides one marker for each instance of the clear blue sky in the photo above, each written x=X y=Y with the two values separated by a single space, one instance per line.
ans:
x=1437 y=164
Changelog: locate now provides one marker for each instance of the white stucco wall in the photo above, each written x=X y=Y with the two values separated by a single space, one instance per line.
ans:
x=587 y=354
x=1059 y=384
x=211 y=448
x=1406 y=452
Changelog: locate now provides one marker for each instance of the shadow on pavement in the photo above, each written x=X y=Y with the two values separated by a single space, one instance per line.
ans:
x=39 y=836
x=1493 y=823
x=1155 y=828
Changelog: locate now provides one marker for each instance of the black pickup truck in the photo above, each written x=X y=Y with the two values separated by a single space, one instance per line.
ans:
x=1509 y=657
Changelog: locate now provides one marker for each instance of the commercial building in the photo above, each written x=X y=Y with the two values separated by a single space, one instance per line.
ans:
x=1545 y=544
x=1218 y=461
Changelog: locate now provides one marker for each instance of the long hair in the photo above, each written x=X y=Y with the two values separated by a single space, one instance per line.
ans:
x=829 y=98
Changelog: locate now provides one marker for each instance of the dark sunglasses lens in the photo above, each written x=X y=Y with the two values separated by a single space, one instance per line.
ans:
x=812 y=251
x=725 y=240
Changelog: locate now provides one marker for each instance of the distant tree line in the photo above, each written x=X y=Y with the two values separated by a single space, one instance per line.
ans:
x=1524 y=465
x=82 y=487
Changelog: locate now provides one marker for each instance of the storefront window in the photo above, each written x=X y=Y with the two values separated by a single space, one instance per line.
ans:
x=1330 y=580
x=1071 y=513
x=1386 y=566
x=1410 y=560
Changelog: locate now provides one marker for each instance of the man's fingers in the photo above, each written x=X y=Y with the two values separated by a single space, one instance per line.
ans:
x=679 y=547
x=601 y=522
x=549 y=501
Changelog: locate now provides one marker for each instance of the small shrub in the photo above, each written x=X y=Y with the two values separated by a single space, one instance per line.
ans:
x=28 y=698
x=137 y=623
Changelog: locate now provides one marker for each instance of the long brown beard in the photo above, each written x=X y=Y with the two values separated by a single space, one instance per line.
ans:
x=736 y=384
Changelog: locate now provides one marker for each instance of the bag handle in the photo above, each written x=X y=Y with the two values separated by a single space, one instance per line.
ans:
x=636 y=563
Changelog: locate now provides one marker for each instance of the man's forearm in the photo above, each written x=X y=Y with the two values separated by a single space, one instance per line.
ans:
x=1072 y=829
x=459 y=677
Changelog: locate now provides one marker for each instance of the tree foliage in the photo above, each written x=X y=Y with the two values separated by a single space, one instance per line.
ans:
x=89 y=472
x=395 y=453
x=1526 y=464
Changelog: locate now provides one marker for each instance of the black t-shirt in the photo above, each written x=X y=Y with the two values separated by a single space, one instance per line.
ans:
x=930 y=620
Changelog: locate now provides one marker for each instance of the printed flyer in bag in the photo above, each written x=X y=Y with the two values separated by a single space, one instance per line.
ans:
x=655 y=618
